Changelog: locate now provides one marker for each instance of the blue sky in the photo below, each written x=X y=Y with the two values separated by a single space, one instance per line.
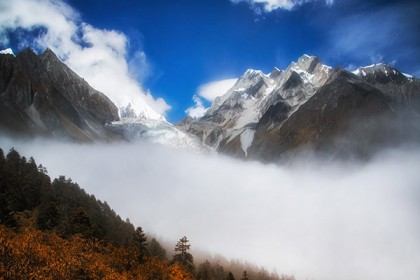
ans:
x=174 y=47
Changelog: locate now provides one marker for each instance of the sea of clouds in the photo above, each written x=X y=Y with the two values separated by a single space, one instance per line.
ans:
x=313 y=219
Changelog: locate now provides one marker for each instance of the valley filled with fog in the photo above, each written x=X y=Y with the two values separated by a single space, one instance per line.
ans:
x=314 y=219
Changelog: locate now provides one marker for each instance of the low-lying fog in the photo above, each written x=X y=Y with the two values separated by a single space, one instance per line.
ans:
x=313 y=220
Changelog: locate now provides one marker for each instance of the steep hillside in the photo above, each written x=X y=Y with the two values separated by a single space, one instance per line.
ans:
x=40 y=95
x=55 y=230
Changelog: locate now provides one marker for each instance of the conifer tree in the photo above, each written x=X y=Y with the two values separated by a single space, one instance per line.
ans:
x=140 y=243
x=230 y=276
x=182 y=256
x=156 y=250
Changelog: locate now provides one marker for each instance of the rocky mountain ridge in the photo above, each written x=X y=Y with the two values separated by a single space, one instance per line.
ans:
x=307 y=106
x=311 y=106
x=40 y=95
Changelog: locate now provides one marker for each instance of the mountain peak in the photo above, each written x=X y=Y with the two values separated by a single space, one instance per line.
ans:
x=382 y=73
x=45 y=97
x=49 y=55
x=48 y=52
x=308 y=63
x=251 y=73
x=275 y=73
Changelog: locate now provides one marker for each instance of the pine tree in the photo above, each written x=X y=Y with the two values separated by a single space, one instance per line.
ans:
x=230 y=276
x=182 y=255
x=140 y=243
x=48 y=216
x=156 y=250
x=244 y=276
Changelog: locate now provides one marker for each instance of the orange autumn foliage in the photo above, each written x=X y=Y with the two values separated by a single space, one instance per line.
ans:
x=32 y=254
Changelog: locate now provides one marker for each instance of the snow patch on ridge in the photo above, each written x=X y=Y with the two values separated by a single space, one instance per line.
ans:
x=247 y=136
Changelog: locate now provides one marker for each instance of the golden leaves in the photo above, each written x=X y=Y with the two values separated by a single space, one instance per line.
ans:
x=32 y=254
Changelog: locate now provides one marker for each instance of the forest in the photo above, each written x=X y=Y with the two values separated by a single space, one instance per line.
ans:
x=53 y=229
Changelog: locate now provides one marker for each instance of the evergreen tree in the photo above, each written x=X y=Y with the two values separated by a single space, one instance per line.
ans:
x=209 y=271
x=140 y=243
x=244 y=276
x=2 y=159
x=182 y=255
x=156 y=250
x=230 y=276
x=48 y=217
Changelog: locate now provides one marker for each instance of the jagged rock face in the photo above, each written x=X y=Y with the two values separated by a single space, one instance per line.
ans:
x=41 y=95
x=310 y=106
x=401 y=88
x=231 y=121
x=322 y=120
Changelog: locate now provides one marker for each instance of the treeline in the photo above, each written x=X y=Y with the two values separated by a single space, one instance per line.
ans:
x=55 y=230
x=27 y=196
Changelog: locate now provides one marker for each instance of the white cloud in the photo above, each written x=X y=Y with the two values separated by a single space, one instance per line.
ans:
x=209 y=92
x=95 y=54
x=271 y=5
x=212 y=90
x=313 y=219
x=198 y=110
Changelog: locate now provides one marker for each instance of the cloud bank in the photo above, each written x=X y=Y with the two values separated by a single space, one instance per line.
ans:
x=271 y=5
x=98 y=55
x=209 y=92
x=313 y=220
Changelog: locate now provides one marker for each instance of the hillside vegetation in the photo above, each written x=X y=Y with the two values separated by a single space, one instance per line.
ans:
x=55 y=230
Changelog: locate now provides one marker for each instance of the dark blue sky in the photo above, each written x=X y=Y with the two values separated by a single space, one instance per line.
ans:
x=189 y=42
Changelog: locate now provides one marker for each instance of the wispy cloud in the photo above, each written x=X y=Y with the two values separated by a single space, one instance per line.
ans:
x=214 y=89
x=209 y=92
x=314 y=220
x=270 y=5
x=384 y=35
x=198 y=110
x=98 y=55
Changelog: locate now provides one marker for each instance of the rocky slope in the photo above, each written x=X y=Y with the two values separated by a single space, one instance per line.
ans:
x=40 y=95
x=307 y=106
x=310 y=106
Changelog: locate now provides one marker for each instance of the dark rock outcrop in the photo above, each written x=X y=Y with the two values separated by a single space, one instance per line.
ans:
x=40 y=95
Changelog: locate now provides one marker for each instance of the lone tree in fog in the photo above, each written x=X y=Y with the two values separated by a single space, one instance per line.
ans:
x=244 y=276
x=139 y=242
x=182 y=256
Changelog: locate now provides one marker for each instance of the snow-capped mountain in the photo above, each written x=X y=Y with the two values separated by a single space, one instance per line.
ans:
x=40 y=95
x=263 y=116
x=235 y=115
x=309 y=104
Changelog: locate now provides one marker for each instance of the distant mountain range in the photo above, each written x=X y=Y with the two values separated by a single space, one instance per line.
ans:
x=306 y=107
x=311 y=107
